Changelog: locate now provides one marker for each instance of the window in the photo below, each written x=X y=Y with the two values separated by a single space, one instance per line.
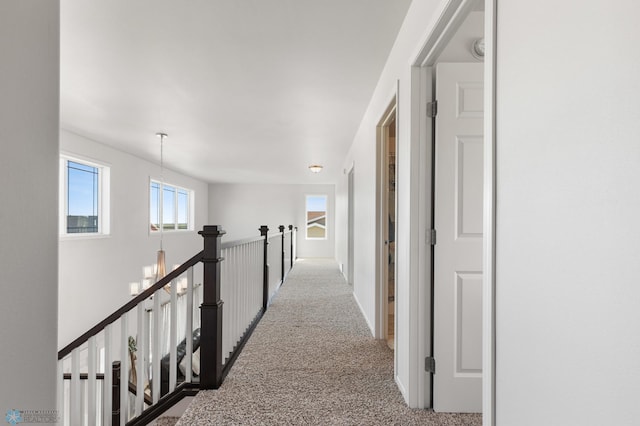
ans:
x=316 y=213
x=83 y=197
x=170 y=207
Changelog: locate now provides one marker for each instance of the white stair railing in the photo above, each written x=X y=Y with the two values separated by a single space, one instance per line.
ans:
x=124 y=365
x=130 y=337
x=241 y=287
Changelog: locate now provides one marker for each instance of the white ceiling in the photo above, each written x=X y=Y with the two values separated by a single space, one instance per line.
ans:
x=248 y=90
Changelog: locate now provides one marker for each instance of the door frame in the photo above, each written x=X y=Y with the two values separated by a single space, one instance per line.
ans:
x=422 y=90
x=350 y=172
x=381 y=220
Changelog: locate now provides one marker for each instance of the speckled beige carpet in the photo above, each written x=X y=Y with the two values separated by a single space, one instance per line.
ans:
x=312 y=361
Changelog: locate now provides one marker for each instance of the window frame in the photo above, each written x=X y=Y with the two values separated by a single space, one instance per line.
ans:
x=190 y=207
x=104 y=179
x=326 y=217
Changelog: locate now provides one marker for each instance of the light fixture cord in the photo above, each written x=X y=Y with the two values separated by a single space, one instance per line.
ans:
x=161 y=184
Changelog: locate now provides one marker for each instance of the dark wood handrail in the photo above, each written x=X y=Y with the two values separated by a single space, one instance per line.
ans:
x=165 y=402
x=147 y=293
x=130 y=305
x=212 y=372
x=134 y=390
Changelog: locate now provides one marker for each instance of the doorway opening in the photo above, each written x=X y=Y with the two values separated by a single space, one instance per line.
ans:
x=350 y=224
x=457 y=217
x=457 y=334
x=387 y=132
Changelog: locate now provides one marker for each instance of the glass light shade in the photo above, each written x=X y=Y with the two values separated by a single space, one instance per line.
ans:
x=148 y=271
x=315 y=168
x=134 y=289
x=161 y=270
x=146 y=283
x=182 y=285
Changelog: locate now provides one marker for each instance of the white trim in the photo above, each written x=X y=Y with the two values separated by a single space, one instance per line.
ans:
x=445 y=27
x=489 y=226
x=453 y=14
x=421 y=290
x=362 y=311
x=401 y=387
x=326 y=215
x=349 y=168
x=104 y=197
x=382 y=214
x=190 y=207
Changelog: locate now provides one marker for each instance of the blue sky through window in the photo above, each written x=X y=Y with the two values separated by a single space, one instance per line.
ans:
x=173 y=210
x=168 y=206
x=316 y=203
x=155 y=206
x=82 y=189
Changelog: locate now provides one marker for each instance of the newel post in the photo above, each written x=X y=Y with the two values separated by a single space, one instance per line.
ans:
x=291 y=252
x=264 y=230
x=211 y=310
x=281 y=228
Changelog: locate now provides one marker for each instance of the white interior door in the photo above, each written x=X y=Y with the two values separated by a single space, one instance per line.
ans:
x=458 y=250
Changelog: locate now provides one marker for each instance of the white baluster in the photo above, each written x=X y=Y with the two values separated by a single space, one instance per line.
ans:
x=124 y=369
x=60 y=402
x=156 y=342
x=140 y=354
x=225 y=275
x=173 y=333
x=237 y=293
x=235 y=285
x=240 y=294
x=258 y=275
x=76 y=396
x=189 y=327
x=91 y=380
x=148 y=343
x=108 y=373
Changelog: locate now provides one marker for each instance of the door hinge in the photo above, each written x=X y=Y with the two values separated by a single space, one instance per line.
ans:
x=431 y=237
x=430 y=365
x=432 y=109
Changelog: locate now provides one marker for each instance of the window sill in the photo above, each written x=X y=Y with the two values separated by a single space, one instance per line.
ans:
x=173 y=231
x=72 y=237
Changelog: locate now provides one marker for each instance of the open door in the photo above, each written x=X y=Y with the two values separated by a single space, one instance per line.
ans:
x=350 y=235
x=386 y=218
x=390 y=228
x=458 y=219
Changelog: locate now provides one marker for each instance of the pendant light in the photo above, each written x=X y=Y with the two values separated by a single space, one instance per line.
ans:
x=161 y=268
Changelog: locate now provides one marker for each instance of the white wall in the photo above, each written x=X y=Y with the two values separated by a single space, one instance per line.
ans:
x=29 y=88
x=342 y=222
x=95 y=272
x=568 y=167
x=459 y=47
x=411 y=291
x=242 y=208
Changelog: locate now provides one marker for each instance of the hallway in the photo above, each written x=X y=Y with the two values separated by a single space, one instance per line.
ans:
x=312 y=360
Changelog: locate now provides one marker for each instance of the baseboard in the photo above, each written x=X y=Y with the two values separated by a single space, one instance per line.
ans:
x=403 y=391
x=372 y=329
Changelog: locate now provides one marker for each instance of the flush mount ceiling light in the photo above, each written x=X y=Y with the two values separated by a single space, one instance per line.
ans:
x=315 y=168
